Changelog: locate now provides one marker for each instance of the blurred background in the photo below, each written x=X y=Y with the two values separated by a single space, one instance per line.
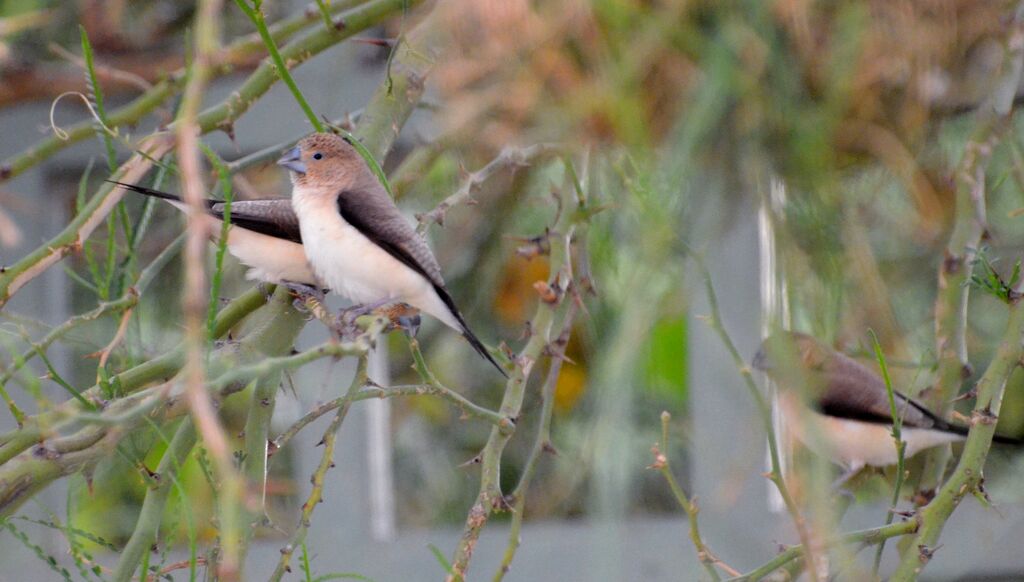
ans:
x=682 y=113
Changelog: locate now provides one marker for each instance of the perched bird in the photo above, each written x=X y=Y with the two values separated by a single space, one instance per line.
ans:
x=845 y=413
x=357 y=241
x=264 y=236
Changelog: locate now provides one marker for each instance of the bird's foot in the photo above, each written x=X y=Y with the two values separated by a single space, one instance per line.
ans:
x=404 y=317
x=345 y=324
x=303 y=291
x=308 y=298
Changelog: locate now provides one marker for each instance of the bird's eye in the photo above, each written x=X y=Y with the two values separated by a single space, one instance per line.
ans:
x=318 y=156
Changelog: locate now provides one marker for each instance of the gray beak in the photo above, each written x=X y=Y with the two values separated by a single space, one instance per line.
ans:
x=760 y=361
x=292 y=159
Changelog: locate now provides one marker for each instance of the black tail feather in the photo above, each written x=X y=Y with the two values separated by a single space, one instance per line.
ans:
x=466 y=332
x=156 y=193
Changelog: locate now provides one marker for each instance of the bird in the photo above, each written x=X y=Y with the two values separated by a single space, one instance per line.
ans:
x=844 y=412
x=358 y=243
x=264 y=236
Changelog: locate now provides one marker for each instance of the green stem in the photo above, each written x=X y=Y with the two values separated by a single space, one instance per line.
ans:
x=541 y=444
x=775 y=475
x=900 y=444
x=255 y=14
x=866 y=537
x=967 y=476
x=490 y=496
x=326 y=462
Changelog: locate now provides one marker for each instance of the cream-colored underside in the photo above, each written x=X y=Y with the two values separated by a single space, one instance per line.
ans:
x=852 y=443
x=269 y=259
x=352 y=266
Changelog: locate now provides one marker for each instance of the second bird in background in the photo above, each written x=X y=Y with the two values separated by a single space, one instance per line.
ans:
x=839 y=408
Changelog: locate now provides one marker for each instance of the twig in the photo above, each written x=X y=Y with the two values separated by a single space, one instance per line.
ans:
x=689 y=505
x=213 y=436
x=467 y=407
x=541 y=442
x=866 y=537
x=775 y=475
x=551 y=295
x=967 y=476
x=326 y=462
x=510 y=157
x=124 y=77
x=122 y=327
x=968 y=231
x=39 y=467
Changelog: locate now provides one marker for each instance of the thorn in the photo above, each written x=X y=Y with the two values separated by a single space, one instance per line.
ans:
x=548 y=294
x=972 y=393
x=474 y=461
x=5 y=172
x=549 y=448
x=925 y=554
x=983 y=416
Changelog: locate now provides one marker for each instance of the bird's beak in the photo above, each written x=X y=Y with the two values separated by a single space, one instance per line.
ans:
x=292 y=159
x=760 y=361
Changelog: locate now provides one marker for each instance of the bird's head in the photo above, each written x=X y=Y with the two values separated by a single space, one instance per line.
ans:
x=323 y=159
x=789 y=348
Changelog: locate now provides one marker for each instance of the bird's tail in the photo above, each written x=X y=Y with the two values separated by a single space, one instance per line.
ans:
x=172 y=198
x=466 y=332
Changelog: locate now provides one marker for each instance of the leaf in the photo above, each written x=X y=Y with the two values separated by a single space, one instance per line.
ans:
x=441 y=559
x=96 y=93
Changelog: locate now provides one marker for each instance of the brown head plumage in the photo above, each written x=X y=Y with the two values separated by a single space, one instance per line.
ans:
x=325 y=159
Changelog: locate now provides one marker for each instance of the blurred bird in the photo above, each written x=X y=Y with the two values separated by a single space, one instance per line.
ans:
x=264 y=236
x=357 y=241
x=844 y=414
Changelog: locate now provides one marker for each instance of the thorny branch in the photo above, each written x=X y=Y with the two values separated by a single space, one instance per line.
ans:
x=549 y=309
x=689 y=505
x=510 y=157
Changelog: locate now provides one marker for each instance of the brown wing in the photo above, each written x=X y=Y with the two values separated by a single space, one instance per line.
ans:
x=853 y=391
x=378 y=219
x=273 y=217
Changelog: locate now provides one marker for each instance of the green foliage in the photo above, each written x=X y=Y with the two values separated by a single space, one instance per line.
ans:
x=40 y=553
x=992 y=283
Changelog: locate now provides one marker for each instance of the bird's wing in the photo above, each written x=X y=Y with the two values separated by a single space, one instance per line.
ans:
x=273 y=217
x=377 y=218
x=854 y=392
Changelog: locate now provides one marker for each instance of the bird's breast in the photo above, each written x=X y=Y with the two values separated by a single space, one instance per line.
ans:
x=348 y=262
